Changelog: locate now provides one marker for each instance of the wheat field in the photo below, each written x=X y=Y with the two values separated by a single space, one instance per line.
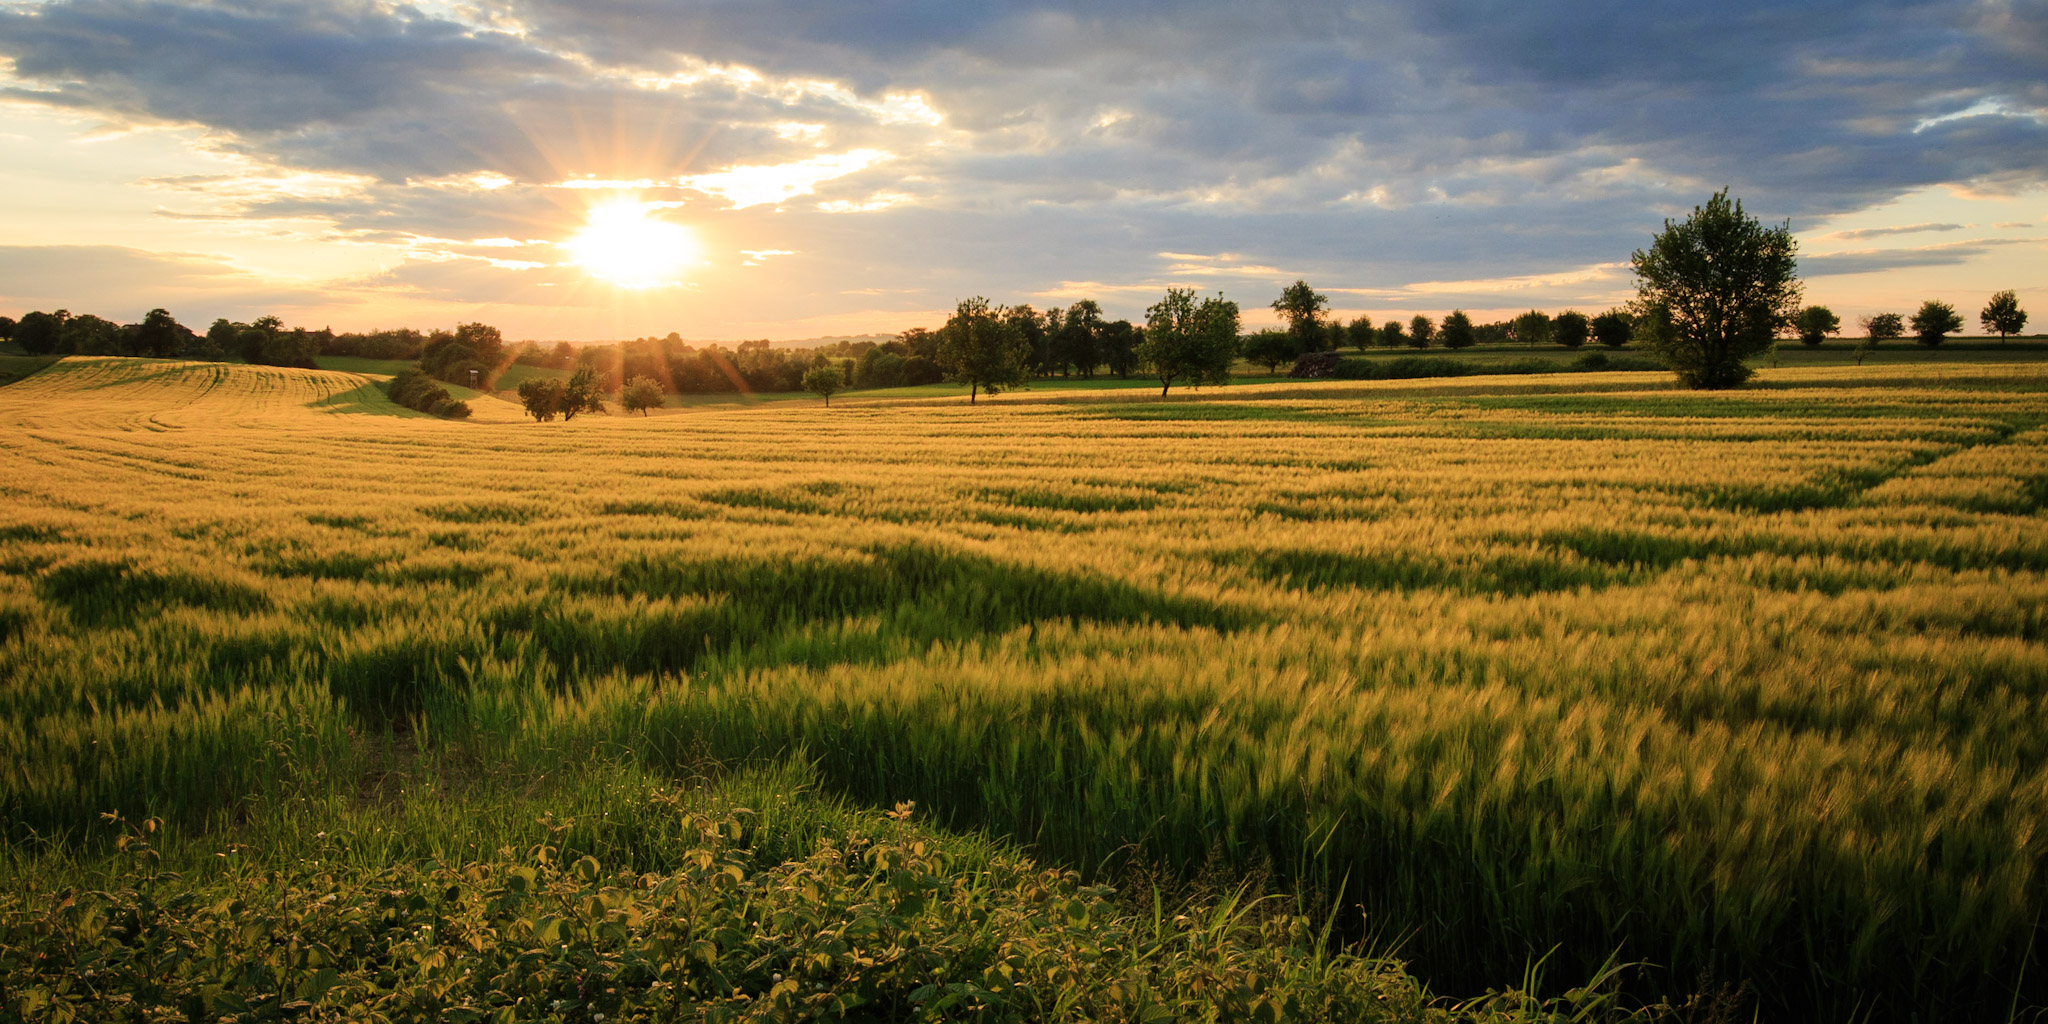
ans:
x=1749 y=688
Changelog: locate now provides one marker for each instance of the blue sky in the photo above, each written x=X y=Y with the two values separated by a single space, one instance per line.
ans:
x=796 y=169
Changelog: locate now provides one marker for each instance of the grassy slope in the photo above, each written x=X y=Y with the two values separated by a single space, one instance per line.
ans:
x=1690 y=659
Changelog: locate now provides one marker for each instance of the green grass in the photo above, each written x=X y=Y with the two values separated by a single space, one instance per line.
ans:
x=1746 y=687
x=16 y=367
x=378 y=367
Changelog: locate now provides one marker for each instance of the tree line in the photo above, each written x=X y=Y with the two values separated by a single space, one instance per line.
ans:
x=1712 y=292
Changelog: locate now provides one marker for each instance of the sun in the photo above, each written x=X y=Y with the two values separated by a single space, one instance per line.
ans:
x=623 y=243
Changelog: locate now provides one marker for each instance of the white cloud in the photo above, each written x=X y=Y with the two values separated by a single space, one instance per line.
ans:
x=758 y=185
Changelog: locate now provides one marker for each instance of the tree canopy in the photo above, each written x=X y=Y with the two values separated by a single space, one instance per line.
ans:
x=1571 y=328
x=2003 y=314
x=1190 y=342
x=1302 y=307
x=641 y=394
x=1935 y=321
x=824 y=381
x=1456 y=331
x=1612 y=328
x=1723 y=285
x=978 y=347
x=1815 y=323
x=1884 y=326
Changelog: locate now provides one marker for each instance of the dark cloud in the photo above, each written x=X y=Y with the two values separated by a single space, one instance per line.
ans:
x=1908 y=229
x=1944 y=255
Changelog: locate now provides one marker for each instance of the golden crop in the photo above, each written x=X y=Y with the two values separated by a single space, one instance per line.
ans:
x=1750 y=685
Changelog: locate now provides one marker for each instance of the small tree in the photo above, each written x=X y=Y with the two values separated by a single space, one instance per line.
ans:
x=1391 y=334
x=1612 y=328
x=2003 y=314
x=1935 y=319
x=541 y=397
x=1189 y=342
x=1361 y=333
x=1815 y=323
x=1531 y=328
x=1571 y=328
x=1457 y=330
x=1302 y=307
x=1883 y=327
x=1724 y=284
x=641 y=394
x=1271 y=348
x=824 y=381
x=1420 y=331
x=584 y=392
x=982 y=350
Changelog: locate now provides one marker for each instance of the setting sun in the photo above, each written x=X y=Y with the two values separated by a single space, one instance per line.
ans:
x=624 y=244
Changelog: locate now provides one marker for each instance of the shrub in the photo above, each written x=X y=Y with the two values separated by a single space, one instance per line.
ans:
x=416 y=390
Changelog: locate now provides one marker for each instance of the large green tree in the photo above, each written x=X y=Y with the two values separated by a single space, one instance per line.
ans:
x=1724 y=284
x=1302 y=307
x=980 y=348
x=2003 y=314
x=1190 y=342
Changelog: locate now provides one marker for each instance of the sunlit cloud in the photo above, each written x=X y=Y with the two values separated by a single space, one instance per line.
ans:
x=873 y=203
x=759 y=185
x=756 y=257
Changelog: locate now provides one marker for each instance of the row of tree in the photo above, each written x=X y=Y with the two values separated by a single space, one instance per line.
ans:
x=1931 y=325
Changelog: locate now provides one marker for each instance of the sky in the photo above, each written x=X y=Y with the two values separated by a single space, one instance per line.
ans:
x=789 y=169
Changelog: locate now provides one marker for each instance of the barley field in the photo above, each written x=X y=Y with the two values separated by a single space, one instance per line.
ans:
x=1748 y=690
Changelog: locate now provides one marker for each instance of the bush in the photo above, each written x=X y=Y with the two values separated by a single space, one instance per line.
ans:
x=416 y=390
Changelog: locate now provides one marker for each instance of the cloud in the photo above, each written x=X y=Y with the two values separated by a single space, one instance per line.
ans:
x=1940 y=255
x=122 y=284
x=1384 y=147
x=1908 y=229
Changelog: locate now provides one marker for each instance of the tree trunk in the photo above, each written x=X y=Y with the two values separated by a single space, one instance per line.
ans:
x=973 y=391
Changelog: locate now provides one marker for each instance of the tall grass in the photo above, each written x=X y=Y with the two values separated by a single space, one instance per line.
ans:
x=1749 y=687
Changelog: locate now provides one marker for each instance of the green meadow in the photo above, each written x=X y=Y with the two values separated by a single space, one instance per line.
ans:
x=1546 y=697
